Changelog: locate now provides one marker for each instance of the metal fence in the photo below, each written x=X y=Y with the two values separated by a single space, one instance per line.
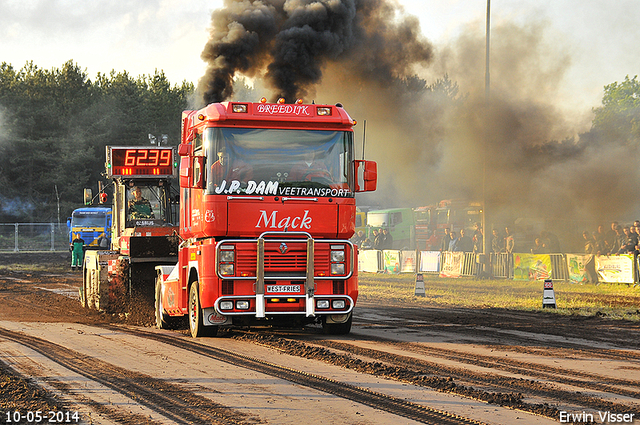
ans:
x=33 y=237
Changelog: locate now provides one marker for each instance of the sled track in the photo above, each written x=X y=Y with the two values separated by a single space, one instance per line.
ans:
x=155 y=394
x=167 y=399
x=373 y=399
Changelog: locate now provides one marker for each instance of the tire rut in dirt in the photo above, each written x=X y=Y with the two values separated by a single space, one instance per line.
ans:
x=441 y=378
x=373 y=399
x=488 y=323
x=568 y=376
x=155 y=394
x=585 y=380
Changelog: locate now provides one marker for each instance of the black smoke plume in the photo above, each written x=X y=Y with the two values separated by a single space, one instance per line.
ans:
x=430 y=128
x=288 y=43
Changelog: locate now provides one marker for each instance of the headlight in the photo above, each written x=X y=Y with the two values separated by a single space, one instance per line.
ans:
x=337 y=256
x=322 y=304
x=337 y=269
x=226 y=305
x=242 y=305
x=226 y=269
x=226 y=256
x=338 y=304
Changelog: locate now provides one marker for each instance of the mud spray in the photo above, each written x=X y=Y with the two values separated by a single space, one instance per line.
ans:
x=429 y=125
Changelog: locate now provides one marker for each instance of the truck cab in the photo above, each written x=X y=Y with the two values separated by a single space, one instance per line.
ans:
x=267 y=207
x=93 y=225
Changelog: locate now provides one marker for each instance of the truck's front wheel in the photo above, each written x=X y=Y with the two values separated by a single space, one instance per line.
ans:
x=337 y=328
x=196 y=321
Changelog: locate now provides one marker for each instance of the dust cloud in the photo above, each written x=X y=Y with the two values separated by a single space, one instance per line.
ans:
x=430 y=127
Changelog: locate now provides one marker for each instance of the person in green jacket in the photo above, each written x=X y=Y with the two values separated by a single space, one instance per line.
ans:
x=77 y=253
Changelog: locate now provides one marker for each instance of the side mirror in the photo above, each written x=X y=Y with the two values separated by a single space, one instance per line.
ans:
x=366 y=173
x=185 y=171
x=184 y=149
x=192 y=172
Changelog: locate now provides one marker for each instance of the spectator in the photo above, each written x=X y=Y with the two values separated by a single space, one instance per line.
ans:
x=372 y=237
x=432 y=241
x=478 y=237
x=358 y=238
x=539 y=247
x=601 y=247
x=377 y=239
x=590 y=244
x=509 y=241
x=590 y=249
x=637 y=226
x=446 y=239
x=387 y=239
x=551 y=241
x=103 y=242
x=628 y=243
x=454 y=242
x=618 y=241
x=366 y=244
x=610 y=237
x=465 y=243
x=497 y=242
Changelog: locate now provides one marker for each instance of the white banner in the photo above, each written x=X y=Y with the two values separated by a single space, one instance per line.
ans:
x=368 y=260
x=408 y=261
x=429 y=261
x=615 y=269
x=451 y=265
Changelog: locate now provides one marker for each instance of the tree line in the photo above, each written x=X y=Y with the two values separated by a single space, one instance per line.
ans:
x=55 y=124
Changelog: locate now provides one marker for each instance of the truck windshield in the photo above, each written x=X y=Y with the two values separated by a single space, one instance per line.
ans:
x=146 y=203
x=278 y=162
x=378 y=220
x=84 y=219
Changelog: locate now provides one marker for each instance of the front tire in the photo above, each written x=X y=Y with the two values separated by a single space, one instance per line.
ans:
x=196 y=322
x=337 y=328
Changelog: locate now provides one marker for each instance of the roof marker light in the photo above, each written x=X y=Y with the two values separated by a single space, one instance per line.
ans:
x=263 y=100
x=281 y=100
x=299 y=102
x=240 y=108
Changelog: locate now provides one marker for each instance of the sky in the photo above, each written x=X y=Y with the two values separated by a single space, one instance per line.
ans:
x=550 y=62
x=169 y=35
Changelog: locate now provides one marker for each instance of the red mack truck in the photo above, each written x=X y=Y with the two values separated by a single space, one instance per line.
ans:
x=267 y=207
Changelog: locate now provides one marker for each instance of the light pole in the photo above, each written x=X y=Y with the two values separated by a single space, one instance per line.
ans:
x=487 y=80
x=486 y=242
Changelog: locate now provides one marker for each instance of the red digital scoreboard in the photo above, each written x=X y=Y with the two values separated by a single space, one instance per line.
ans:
x=141 y=162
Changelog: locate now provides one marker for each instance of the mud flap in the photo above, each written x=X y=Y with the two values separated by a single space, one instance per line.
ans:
x=212 y=318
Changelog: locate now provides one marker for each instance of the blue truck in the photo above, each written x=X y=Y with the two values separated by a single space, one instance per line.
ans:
x=93 y=225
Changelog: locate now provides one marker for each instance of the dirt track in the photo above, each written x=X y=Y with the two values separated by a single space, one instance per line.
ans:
x=486 y=366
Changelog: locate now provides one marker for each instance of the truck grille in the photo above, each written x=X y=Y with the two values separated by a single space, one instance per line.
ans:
x=292 y=263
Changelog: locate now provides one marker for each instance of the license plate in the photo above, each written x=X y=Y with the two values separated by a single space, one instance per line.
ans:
x=283 y=288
